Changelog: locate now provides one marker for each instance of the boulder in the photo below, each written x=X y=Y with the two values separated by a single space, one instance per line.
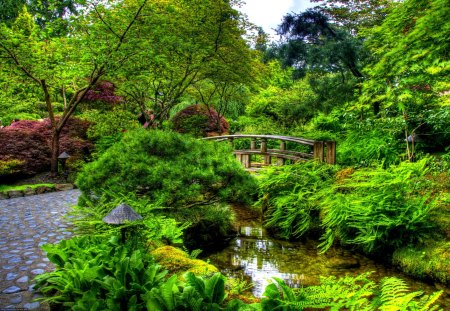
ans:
x=43 y=189
x=343 y=263
x=15 y=193
x=63 y=187
x=4 y=196
x=29 y=191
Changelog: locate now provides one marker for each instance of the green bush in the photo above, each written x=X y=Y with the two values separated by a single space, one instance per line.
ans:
x=380 y=210
x=168 y=169
x=10 y=167
x=290 y=196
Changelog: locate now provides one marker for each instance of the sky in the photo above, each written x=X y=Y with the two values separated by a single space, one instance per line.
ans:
x=269 y=13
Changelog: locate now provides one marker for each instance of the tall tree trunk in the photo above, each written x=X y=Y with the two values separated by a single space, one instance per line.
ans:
x=55 y=152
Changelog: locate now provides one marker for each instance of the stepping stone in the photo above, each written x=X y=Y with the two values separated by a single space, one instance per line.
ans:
x=11 y=276
x=16 y=299
x=23 y=279
x=32 y=306
x=37 y=271
x=11 y=290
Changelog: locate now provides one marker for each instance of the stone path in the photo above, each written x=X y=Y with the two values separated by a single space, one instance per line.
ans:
x=25 y=224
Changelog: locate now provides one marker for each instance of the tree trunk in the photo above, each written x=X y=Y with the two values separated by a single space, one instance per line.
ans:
x=55 y=153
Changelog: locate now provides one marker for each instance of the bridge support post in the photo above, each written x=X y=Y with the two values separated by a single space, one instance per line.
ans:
x=267 y=158
x=318 y=151
x=253 y=144
x=280 y=161
x=246 y=160
x=331 y=152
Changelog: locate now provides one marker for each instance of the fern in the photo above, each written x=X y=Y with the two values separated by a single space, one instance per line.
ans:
x=347 y=293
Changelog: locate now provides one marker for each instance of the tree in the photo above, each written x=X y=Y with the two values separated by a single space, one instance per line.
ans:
x=355 y=15
x=98 y=45
x=411 y=64
x=314 y=43
x=188 y=42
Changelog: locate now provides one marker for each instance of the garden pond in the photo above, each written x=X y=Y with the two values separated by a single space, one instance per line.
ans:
x=257 y=257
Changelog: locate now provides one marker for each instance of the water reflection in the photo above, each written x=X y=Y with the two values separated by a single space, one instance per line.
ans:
x=255 y=255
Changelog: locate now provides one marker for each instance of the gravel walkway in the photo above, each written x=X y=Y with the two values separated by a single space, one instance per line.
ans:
x=25 y=224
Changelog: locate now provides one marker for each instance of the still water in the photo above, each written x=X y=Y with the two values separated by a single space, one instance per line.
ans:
x=256 y=256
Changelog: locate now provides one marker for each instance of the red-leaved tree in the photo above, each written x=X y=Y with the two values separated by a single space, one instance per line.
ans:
x=30 y=143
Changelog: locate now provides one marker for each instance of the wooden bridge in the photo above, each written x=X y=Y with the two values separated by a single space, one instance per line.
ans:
x=323 y=151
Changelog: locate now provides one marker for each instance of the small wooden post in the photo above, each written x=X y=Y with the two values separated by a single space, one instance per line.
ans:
x=280 y=161
x=231 y=140
x=331 y=152
x=246 y=160
x=267 y=158
x=253 y=144
x=318 y=150
x=264 y=145
x=239 y=158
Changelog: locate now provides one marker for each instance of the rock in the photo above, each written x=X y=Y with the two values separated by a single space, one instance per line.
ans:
x=43 y=189
x=4 y=196
x=11 y=290
x=31 y=306
x=11 y=276
x=16 y=299
x=23 y=279
x=63 y=187
x=343 y=263
x=15 y=193
x=29 y=191
x=37 y=271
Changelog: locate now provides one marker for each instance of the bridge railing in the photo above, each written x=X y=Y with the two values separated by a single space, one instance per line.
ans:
x=323 y=151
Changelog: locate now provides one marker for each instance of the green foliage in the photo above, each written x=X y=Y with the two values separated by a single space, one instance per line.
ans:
x=157 y=229
x=211 y=226
x=380 y=210
x=419 y=78
x=168 y=169
x=97 y=274
x=10 y=167
x=109 y=123
x=291 y=194
x=367 y=148
x=347 y=293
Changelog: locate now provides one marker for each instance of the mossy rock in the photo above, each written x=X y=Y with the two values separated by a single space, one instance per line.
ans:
x=178 y=262
x=430 y=262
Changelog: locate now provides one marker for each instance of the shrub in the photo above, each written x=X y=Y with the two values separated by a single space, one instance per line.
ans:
x=289 y=195
x=200 y=121
x=10 y=167
x=30 y=141
x=167 y=169
x=180 y=176
x=380 y=210
x=211 y=226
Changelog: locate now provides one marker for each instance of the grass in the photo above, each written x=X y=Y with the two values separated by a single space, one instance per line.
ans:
x=4 y=188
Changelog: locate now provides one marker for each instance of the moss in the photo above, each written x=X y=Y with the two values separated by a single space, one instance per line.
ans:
x=426 y=262
x=178 y=262
x=4 y=188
